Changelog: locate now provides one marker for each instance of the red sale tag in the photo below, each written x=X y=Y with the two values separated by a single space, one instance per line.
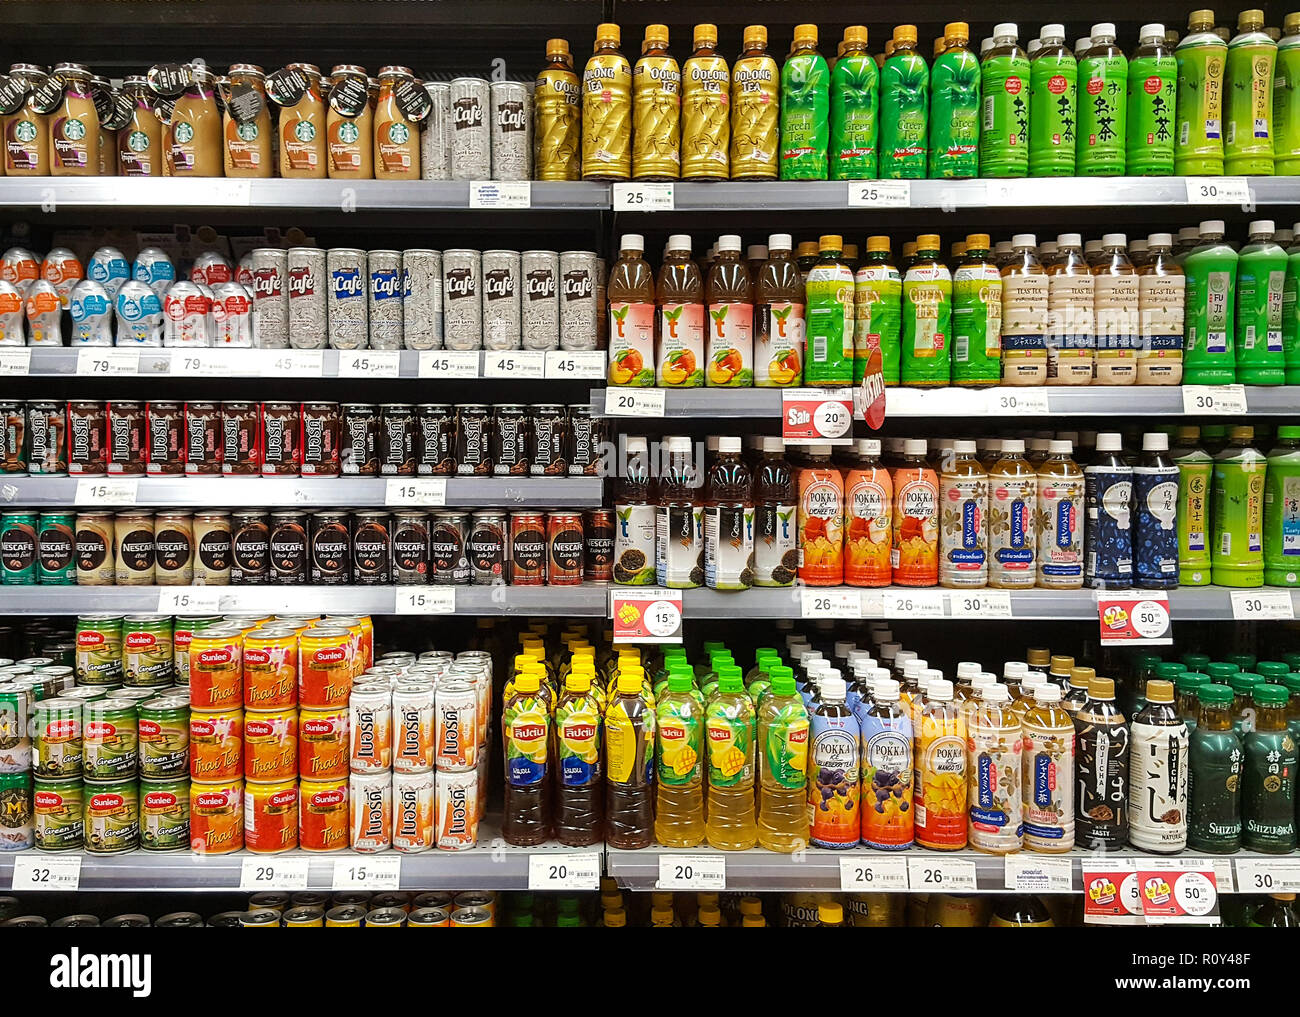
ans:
x=1110 y=893
x=1135 y=618
x=871 y=395
x=648 y=615
x=813 y=415
x=1178 y=891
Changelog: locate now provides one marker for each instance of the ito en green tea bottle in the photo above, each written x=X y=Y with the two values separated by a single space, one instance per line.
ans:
x=904 y=109
x=927 y=317
x=1261 y=278
x=1201 y=57
x=829 y=315
x=855 y=99
x=805 y=109
x=1291 y=313
x=955 y=107
x=1268 y=799
x=1214 y=778
x=977 y=316
x=1103 y=106
x=1209 y=356
x=1286 y=100
x=1248 y=106
x=877 y=311
x=1195 y=475
x=1101 y=769
x=1237 y=511
x=1282 y=510
x=1152 y=92
x=1053 y=105
x=1004 y=137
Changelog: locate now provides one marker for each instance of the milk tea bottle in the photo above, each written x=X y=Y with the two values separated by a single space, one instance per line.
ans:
x=1158 y=774
x=1116 y=312
x=1024 y=315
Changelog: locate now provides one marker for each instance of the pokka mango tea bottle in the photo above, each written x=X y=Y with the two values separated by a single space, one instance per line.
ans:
x=607 y=110
x=755 y=110
x=941 y=771
x=656 y=104
x=706 y=113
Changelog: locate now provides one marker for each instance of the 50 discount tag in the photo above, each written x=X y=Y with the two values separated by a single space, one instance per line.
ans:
x=1135 y=618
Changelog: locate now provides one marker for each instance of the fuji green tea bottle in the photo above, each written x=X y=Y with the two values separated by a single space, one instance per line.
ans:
x=1103 y=106
x=855 y=96
x=1248 y=105
x=1201 y=57
x=1286 y=100
x=1209 y=334
x=1291 y=314
x=1261 y=275
x=904 y=109
x=1195 y=475
x=1282 y=510
x=1004 y=140
x=805 y=109
x=1053 y=105
x=1237 y=511
x=955 y=142
x=1152 y=89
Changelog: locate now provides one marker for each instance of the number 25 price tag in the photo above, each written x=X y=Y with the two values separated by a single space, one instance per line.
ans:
x=643 y=197
x=273 y=872
x=880 y=194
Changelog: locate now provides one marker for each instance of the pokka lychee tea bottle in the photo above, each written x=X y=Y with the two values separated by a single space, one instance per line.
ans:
x=915 y=553
x=679 y=296
x=730 y=299
x=869 y=507
x=656 y=105
x=821 y=520
x=941 y=772
x=778 y=317
x=631 y=294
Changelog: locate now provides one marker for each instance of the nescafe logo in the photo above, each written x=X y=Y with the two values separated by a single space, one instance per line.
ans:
x=528 y=548
x=486 y=548
x=57 y=551
x=371 y=548
x=446 y=546
x=18 y=546
x=327 y=799
x=410 y=549
x=136 y=552
x=92 y=552
x=566 y=549
x=329 y=655
x=159 y=800
x=214 y=550
x=258 y=658
x=173 y=549
x=140 y=641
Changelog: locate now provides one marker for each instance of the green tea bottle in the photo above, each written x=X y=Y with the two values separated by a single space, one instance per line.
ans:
x=1209 y=356
x=1268 y=800
x=904 y=107
x=927 y=311
x=1237 y=511
x=1286 y=100
x=1248 y=108
x=955 y=141
x=1004 y=141
x=1195 y=472
x=1201 y=57
x=1053 y=105
x=1152 y=90
x=1261 y=280
x=1214 y=775
x=1291 y=314
x=877 y=310
x=1282 y=510
x=977 y=316
x=805 y=109
x=1103 y=87
x=855 y=96
x=829 y=317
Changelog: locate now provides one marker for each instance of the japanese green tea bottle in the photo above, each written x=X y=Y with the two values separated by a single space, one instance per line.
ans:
x=1053 y=105
x=1195 y=474
x=1282 y=510
x=805 y=109
x=1291 y=314
x=955 y=141
x=927 y=314
x=1248 y=105
x=1237 y=512
x=877 y=307
x=1004 y=141
x=1103 y=106
x=1211 y=269
x=1201 y=57
x=1261 y=277
x=1268 y=799
x=1152 y=88
x=1286 y=100
x=904 y=109
x=855 y=100
x=1214 y=775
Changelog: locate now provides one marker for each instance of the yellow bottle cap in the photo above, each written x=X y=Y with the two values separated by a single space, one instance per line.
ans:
x=629 y=684
x=1290 y=24
x=806 y=35
x=1061 y=663
x=909 y=248
x=709 y=916
x=755 y=37
x=877 y=244
x=807 y=247
x=753 y=922
x=830 y=913
x=656 y=33
x=957 y=31
x=751 y=906
x=905 y=33
x=1037 y=655
x=528 y=681
x=958 y=249
x=661 y=916
x=706 y=34
x=831 y=242
x=977 y=242
x=615 y=918
x=557 y=47
x=927 y=242
x=1250 y=21
x=855 y=34
x=578 y=682
x=1200 y=21
x=1101 y=688
x=940 y=44
x=608 y=33
x=1160 y=691
x=1082 y=676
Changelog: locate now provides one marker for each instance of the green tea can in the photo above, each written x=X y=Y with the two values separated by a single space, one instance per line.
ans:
x=112 y=816
x=148 y=657
x=164 y=735
x=109 y=734
x=99 y=649
x=57 y=738
x=57 y=814
x=164 y=815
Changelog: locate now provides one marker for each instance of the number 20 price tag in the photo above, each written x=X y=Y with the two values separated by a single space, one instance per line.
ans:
x=271 y=872
x=860 y=874
x=563 y=871
x=692 y=872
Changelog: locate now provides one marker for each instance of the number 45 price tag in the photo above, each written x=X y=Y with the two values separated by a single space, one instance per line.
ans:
x=271 y=872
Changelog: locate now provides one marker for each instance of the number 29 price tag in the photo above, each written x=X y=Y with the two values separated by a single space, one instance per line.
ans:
x=648 y=615
x=273 y=872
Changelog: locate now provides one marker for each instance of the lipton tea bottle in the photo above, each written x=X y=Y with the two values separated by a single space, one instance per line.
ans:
x=805 y=109
x=397 y=139
x=631 y=295
x=977 y=316
x=963 y=519
x=730 y=298
x=27 y=132
x=247 y=124
x=1158 y=774
x=915 y=553
x=755 y=110
x=557 y=116
x=927 y=317
x=350 y=126
x=877 y=311
x=302 y=131
x=829 y=358
x=679 y=298
x=869 y=508
x=139 y=143
x=706 y=116
x=656 y=105
x=74 y=126
x=778 y=317
x=607 y=110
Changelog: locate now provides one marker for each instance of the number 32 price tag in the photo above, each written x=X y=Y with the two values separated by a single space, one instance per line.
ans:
x=46 y=872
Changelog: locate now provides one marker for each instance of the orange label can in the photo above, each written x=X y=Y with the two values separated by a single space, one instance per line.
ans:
x=370 y=811
x=216 y=671
x=413 y=728
x=457 y=810
x=271 y=817
x=413 y=807
x=271 y=746
x=217 y=817
x=216 y=745
x=325 y=668
x=323 y=815
x=370 y=726
x=270 y=671
x=323 y=745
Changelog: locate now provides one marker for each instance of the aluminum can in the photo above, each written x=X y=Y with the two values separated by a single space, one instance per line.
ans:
x=413 y=811
x=578 y=302
x=512 y=131
x=410 y=548
x=360 y=433
x=308 y=328
x=422 y=299
x=435 y=135
x=457 y=810
x=462 y=323
x=435 y=440
x=346 y=298
x=456 y=737
x=413 y=728
x=501 y=325
x=370 y=811
x=539 y=277
x=487 y=548
x=270 y=298
x=471 y=142
x=370 y=723
x=448 y=561
x=385 y=300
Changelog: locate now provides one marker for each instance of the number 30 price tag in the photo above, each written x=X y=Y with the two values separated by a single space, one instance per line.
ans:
x=273 y=872
x=1262 y=605
x=860 y=874
x=692 y=872
x=564 y=871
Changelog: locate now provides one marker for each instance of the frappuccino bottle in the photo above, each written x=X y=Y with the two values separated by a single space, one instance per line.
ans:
x=301 y=128
x=656 y=107
x=855 y=99
x=877 y=310
x=1286 y=100
x=1071 y=338
x=1282 y=510
x=1248 y=106
x=1268 y=799
x=74 y=126
x=1161 y=314
x=706 y=113
x=397 y=137
x=1211 y=272
x=1115 y=307
x=1024 y=315
x=607 y=110
x=1261 y=278
x=1214 y=778
x=1004 y=140
x=27 y=131
x=1195 y=475
x=805 y=109
x=1237 y=511
x=904 y=109
x=1158 y=764
x=755 y=110
x=927 y=313
x=1201 y=57
x=955 y=107
x=1060 y=519
x=1101 y=769
x=1152 y=91
x=977 y=316
x=1103 y=88
x=1053 y=105
x=829 y=315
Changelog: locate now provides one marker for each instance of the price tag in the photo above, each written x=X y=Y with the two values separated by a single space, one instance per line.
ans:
x=221 y=192
x=189 y=600
x=912 y=604
x=15 y=361
x=562 y=871
x=940 y=875
x=106 y=491
x=634 y=402
x=578 y=364
x=99 y=362
x=1110 y=891
x=1017 y=400
x=298 y=363
x=643 y=197
x=646 y=615
x=1028 y=873
x=692 y=872
x=817 y=415
x=46 y=872
x=426 y=600
x=202 y=363
x=500 y=194
x=980 y=604
x=830 y=603
x=1178 y=891
x=1214 y=399
x=369 y=363
x=1135 y=619
x=449 y=363
x=367 y=872
x=273 y=872
x=880 y=194
x=863 y=873
x=1262 y=605
x=1223 y=875
x=416 y=491
x=1218 y=191
x=515 y=364
x=1268 y=875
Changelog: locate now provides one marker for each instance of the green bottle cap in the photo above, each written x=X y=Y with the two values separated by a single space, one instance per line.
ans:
x=1292 y=658
x=568 y=921
x=1268 y=694
x=1221 y=671
x=717 y=657
x=1244 y=661
x=783 y=685
x=714 y=644
x=1291 y=681
x=730 y=679
x=1189 y=681
x=679 y=682
x=1196 y=661
x=1272 y=669
x=1216 y=695
x=1289 y=431
x=780 y=671
x=522 y=920
x=1243 y=682
x=1170 y=670
x=764 y=651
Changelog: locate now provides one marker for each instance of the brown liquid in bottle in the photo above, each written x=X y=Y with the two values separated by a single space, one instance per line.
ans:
x=729 y=295
x=26 y=132
x=350 y=140
x=302 y=131
x=679 y=299
x=631 y=295
x=397 y=140
x=139 y=143
x=246 y=147
x=778 y=317
x=74 y=130
x=194 y=135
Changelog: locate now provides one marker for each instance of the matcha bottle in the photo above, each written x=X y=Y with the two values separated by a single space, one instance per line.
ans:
x=1004 y=140
x=855 y=96
x=1237 y=511
x=927 y=310
x=1152 y=89
x=1214 y=778
x=1261 y=275
x=1103 y=87
x=955 y=142
x=828 y=316
x=1268 y=800
x=904 y=106
x=1053 y=105
x=1201 y=57
x=977 y=316
x=1248 y=105
x=1211 y=271
x=1282 y=510
x=1195 y=473
x=805 y=109
x=877 y=307
x=1291 y=314
x=1286 y=100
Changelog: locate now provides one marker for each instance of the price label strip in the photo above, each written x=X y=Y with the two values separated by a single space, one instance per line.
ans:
x=370 y=364
x=692 y=872
x=106 y=491
x=880 y=194
x=189 y=600
x=1221 y=400
x=416 y=491
x=564 y=871
x=868 y=873
x=1135 y=619
x=941 y=875
x=46 y=872
x=643 y=197
x=912 y=604
x=425 y=600
x=366 y=872
x=588 y=364
x=814 y=415
x=830 y=603
x=1178 y=891
x=105 y=363
x=528 y=364
x=1218 y=191
x=15 y=362
x=273 y=872
x=1267 y=875
x=449 y=364
x=980 y=604
x=1020 y=401
x=1262 y=605
x=1038 y=874
x=500 y=194
x=646 y=615
x=298 y=363
x=634 y=402
x=207 y=363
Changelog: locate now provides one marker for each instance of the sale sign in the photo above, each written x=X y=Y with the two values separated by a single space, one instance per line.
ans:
x=646 y=615
x=815 y=415
x=1180 y=891
x=1135 y=618
x=1110 y=892
x=871 y=393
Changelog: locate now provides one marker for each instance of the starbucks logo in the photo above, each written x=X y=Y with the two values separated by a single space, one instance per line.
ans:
x=137 y=141
x=25 y=131
x=304 y=130
x=184 y=132
x=247 y=132
x=398 y=134
x=348 y=133
x=74 y=130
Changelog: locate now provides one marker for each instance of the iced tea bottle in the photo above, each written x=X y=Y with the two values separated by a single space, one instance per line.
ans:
x=1061 y=505
x=631 y=295
x=776 y=554
x=706 y=113
x=656 y=108
x=1071 y=335
x=629 y=728
x=821 y=520
x=963 y=519
x=729 y=520
x=526 y=738
x=779 y=325
x=940 y=792
x=578 y=805
x=679 y=520
x=994 y=763
x=1013 y=505
x=829 y=355
x=730 y=731
x=607 y=109
x=783 y=766
x=869 y=509
x=730 y=298
x=1024 y=315
x=1116 y=303
x=679 y=728
x=679 y=299
x=915 y=550
x=1047 y=786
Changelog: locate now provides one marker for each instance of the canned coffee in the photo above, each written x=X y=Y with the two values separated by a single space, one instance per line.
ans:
x=87 y=438
x=14 y=416
x=510 y=440
x=331 y=549
x=47 y=454
x=96 y=548
x=164 y=438
x=579 y=311
x=320 y=439
x=599 y=532
x=473 y=440
x=372 y=550
x=448 y=563
x=565 y=548
x=435 y=440
x=471 y=140
x=308 y=328
x=204 y=438
x=289 y=548
x=462 y=308
x=385 y=300
x=539 y=273
x=587 y=436
x=487 y=548
x=512 y=131
x=126 y=440
x=241 y=446
x=359 y=440
x=395 y=447
x=549 y=447
x=281 y=455
x=270 y=298
x=422 y=299
x=173 y=542
x=527 y=549
x=212 y=548
x=501 y=328
x=250 y=546
x=410 y=548
x=347 y=298
x=435 y=135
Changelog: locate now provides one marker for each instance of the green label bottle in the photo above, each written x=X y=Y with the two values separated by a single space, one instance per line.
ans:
x=1201 y=57
x=1237 y=511
x=829 y=317
x=1053 y=106
x=1261 y=277
x=1103 y=88
x=1209 y=356
x=927 y=317
x=1268 y=800
x=1282 y=510
x=977 y=316
x=1152 y=90
x=904 y=107
x=955 y=107
x=1286 y=100
x=877 y=311
x=1195 y=474
x=1004 y=137
x=1215 y=758
x=855 y=95
x=1248 y=108
x=805 y=109
x=1291 y=316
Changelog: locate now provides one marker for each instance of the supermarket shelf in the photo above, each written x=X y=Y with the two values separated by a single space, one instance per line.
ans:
x=307 y=492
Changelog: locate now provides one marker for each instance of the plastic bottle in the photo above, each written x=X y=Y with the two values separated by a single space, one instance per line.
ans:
x=1103 y=87
x=886 y=756
x=1013 y=511
x=1070 y=338
x=830 y=309
x=1161 y=314
x=955 y=146
x=1214 y=782
x=877 y=311
x=1248 y=107
x=994 y=763
x=1286 y=100
x=1201 y=57
x=783 y=736
x=941 y=772
x=779 y=324
x=629 y=729
x=657 y=107
x=1024 y=315
x=706 y=110
x=729 y=725
x=1053 y=105
x=1155 y=515
x=868 y=506
x=776 y=555
x=1211 y=271
x=730 y=298
x=1048 y=773
x=631 y=294
x=963 y=521
x=729 y=520
x=634 y=538
x=1004 y=139
x=1060 y=520
x=1152 y=93
x=915 y=553
x=526 y=738
x=607 y=109
x=1291 y=312
x=833 y=799
x=855 y=97
x=1261 y=277
x=1101 y=769
x=820 y=520
x=679 y=520
x=679 y=300
x=1237 y=509
x=755 y=110
x=1158 y=765
x=806 y=257
x=1268 y=796
x=1116 y=311
x=926 y=314
x=805 y=109
x=679 y=795
x=579 y=805
x=977 y=316
x=1282 y=510
x=904 y=109
x=1108 y=535
x=1195 y=474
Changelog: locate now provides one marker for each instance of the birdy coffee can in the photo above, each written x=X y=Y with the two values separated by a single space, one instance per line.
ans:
x=512 y=131
x=462 y=317
x=578 y=303
x=539 y=273
x=346 y=298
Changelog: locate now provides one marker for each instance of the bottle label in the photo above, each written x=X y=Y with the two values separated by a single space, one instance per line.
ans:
x=1060 y=537
x=830 y=294
x=1268 y=802
x=1290 y=516
x=1049 y=786
x=634 y=545
x=877 y=310
x=1108 y=535
x=941 y=783
x=775 y=554
x=927 y=298
x=1218 y=293
x=526 y=732
x=755 y=117
x=778 y=344
x=1101 y=779
x=976 y=314
x=821 y=530
x=887 y=816
x=706 y=91
x=1160 y=314
x=1158 y=787
x=963 y=540
x=994 y=799
x=731 y=346
x=729 y=547
x=679 y=546
x=914 y=555
x=1070 y=320
x=834 y=787
x=805 y=117
x=681 y=346
x=1199 y=104
x=577 y=725
x=1013 y=504
x=1024 y=314
x=786 y=748
x=730 y=731
x=606 y=116
x=868 y=544
x=631 y=344
x=623 y=741
x=681 y=739
x=1117 y=311
x=1193 y=508
x=1155 y=539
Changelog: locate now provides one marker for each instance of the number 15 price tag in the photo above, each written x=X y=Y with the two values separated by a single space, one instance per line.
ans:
x=367 y=872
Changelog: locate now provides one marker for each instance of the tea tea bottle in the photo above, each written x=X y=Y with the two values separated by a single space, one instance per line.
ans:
x=679 y=300
x=755 y=109
x=940 y=793
x=1013 y=513
x=963 y=519
x=729 y=295
x=631 y=295
x=776 y=554
x=779 y=317
x=607 y=109
x=915 y=554
x=1024 y=314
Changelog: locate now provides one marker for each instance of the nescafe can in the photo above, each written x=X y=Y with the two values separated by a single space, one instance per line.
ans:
x=289 y=548
x=435 y=138
x=512 y=130
x=307 y=315
x=587 y=437
x=510 y=440
x=471 y=137
x=270 y=298
x=527 y=549
x=87 y=438
x=331 y=548
x=422 y=299
x=385 y=299
x=320 y=439
x=346 y=298
x=47 y=447
x=173 y=542
x=281 y=455
x=372 y=549
x=539 y=273
x=549 y=447
x=14 y=415
x=395 y=447
x=487 y=548
x=410 y=548
x=96 y=548
x=501 y=328
x=359 y=440
x=599 y=531
x=435 y=440
x=241 y=426
x=204 y=438
x=164 y=423
x=250 y=547
x=473 y=440
x=462 y=306
x=212 y=548
x=579 y=311
x=565 y=548
x=448 y=563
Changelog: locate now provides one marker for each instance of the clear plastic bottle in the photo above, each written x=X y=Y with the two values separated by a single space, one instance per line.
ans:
x=976 y=315
x=679 y=793
x=994 y=764
x=729 y=520
x=1261 y=276
x=730 y=731
x=729 y=296
x=579 y=805
x=1013 y=505
x=679 y=519
x=1161 y=313
x=940 y=793
x=1116 y=310
x=629 y=728
x=915 y=554
x=877 y=318
x=1211 y=299
x=1060 y=520
x=526 y=737
x=631 y=293
x=679 y=300
x=779 y=325
x=835 y=768
x=926 y=350
x=868 y=507
x=1048 y=781
x=1158 y=774
x=1024 y=314
x=1155 y=515
x=783 y=736
x=963 y=520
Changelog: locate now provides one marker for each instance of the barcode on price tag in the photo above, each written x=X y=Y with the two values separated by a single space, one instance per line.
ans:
x=562 y=871
x=634 y=402
x=298 y=363
x=940 y=875
x=15 y=361
x=189 y=600
x=692 y=872
x=860 y=874
x=1017 y=400
x=102 y=363
x=643 y=197
x=449 y=363
x=273 y=872
x=578 y=364
x=1218 y=191
x=107 y=491
x=912 y=604
x=1225 y=400
x=515 y=364
x=500 y=194
x=426 y=600
x=46 y=872
x=1271 y=875
x=416 y=491
x=1262 y=605
x=370 y=363
x=830 y=603
x=1038 y=874
x=367 y=872
x=980 y=604
x=880 y=194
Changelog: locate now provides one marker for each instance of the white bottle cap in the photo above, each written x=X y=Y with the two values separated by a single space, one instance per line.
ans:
x=940 y=689
x=1114 y=240
x=1047 y=693
x=899 y=655
x=816 y=449
x=1260 y=226
x=1024 y=240
x=831 y=689
x=914 y=447
x=1007 y=28
x=1001 y=248
x=1210 y=226
x=930 y=675
x=632 y=242
x=885 y=688
x=985 y=46
x=636 y=443
x=806 y=657
x=1069 y=240
x=1104 y=28
x=967 y=669
x=1110 y=441
x=1155 y=441
x=964 y=448
x=729 y=242
x=729 y=444
x=994 y=693
x=1151 y=33
x=1160 y=240
x=711 y=443
x=844 y=647
x=1084 y=43
x=1033 y=46
x=679 y=242
x=860 y=658
x=1013 y=446
x=780 y=242
x=756 y=252
x=1015 y=669
x=879 y=674
x=1188 y=233
x=1060 y=448
x=679 y=443
x=770 y=444
x=1052 y=31
x=1090 y=246
x=986 y=678
x=912 y=669
x=868 y=446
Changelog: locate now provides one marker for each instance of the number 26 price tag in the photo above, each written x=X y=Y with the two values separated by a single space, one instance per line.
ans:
x=946 y=875
x=830 y=603
x=860 y=874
